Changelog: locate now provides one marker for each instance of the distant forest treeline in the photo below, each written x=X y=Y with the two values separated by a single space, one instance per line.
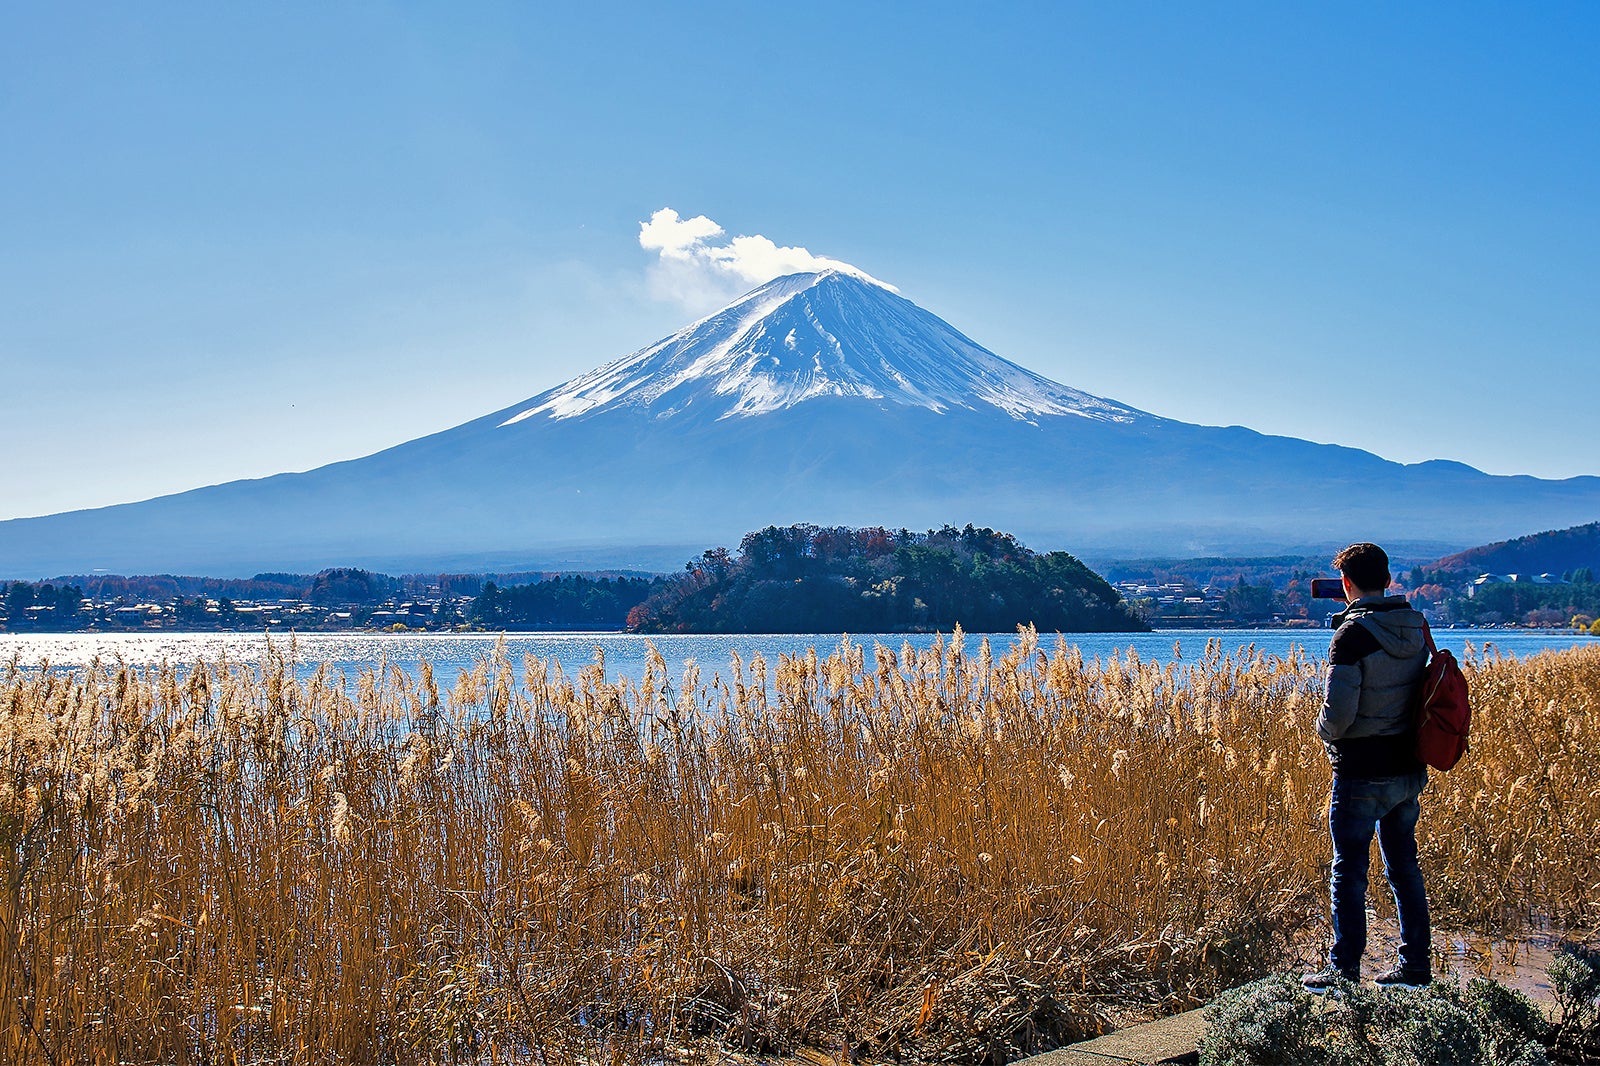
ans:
x=570 y=600
x=811 y=579
x=1275 y=570
x=341 y=585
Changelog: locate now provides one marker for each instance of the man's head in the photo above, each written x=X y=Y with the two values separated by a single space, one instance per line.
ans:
x=1365 y=568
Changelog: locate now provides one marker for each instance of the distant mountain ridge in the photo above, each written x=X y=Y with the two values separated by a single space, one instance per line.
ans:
x=1555 y=551
x=818 y=398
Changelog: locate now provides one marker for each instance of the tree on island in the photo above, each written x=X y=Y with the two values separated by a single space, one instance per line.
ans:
x=347 y=585
x=41 y=606
x=568 y=600
x=811 y=579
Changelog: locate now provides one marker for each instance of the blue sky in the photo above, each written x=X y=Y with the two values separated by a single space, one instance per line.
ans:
x=246 y=239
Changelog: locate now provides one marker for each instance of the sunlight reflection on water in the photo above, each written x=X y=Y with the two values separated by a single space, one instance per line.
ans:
x=625 y=653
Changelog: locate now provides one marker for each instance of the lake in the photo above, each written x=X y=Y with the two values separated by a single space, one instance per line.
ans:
x=625 y=653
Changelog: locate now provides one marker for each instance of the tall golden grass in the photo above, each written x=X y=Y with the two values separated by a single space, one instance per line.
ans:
x=932 y=854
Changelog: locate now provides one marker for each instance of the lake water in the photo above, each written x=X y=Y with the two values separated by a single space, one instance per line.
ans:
x=625 y=653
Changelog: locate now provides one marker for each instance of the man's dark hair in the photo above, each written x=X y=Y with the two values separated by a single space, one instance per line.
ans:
x=1366 y=565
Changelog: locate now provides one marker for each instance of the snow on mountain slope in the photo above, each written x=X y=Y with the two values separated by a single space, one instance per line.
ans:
x=806 y=336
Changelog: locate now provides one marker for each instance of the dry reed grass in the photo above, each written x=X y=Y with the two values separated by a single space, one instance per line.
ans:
x=925 y=855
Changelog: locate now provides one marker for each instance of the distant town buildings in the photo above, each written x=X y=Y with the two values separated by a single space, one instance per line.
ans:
x=1483 y=580
x=1176 y=603
x=180 y=613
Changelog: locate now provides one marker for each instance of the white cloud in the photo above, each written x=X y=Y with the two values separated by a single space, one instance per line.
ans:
x=693 y=271
x=675 y=237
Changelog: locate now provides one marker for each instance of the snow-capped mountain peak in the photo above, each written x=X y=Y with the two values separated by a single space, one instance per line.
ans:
x=804 y=337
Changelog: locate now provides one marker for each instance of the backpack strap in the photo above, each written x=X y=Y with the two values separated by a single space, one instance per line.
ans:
x=1427 y=636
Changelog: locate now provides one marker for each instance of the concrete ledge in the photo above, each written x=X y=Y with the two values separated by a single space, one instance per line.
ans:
x=1166 y=1040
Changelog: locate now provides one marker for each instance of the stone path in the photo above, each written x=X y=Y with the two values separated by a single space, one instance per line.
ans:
x=1166 y=1040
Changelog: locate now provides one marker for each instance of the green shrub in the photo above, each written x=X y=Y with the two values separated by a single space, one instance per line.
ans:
x=1575 y=978
x=1433 y=1031
x=1276 y=1021
x=1511 y=1022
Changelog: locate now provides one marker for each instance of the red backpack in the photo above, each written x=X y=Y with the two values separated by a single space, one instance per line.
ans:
x=1444 y=714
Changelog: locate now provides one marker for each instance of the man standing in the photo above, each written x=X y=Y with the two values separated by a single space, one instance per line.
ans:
x=1375 y=668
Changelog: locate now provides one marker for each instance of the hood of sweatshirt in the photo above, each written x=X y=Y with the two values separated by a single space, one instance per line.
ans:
x=1398 y=627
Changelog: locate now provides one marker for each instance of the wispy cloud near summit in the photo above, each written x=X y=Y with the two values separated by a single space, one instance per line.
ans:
x=699 y=269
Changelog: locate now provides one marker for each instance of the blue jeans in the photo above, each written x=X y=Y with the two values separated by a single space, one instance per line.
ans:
x=1390 y=805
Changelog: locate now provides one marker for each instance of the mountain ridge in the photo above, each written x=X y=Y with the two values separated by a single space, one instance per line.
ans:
x=877 y=414
x=1551 y=551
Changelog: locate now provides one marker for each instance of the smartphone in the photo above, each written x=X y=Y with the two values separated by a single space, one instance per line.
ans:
x=1327 y=588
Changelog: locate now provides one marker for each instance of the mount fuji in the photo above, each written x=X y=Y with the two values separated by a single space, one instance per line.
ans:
x=822 y=397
